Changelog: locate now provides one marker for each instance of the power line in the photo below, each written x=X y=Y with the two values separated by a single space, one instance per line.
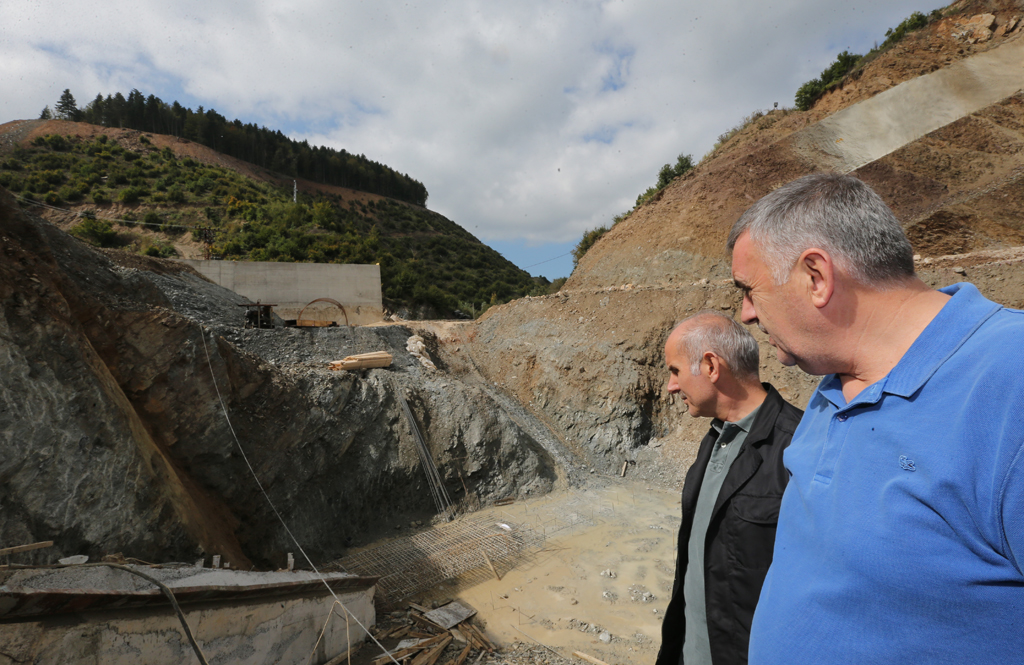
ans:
x=547 y=261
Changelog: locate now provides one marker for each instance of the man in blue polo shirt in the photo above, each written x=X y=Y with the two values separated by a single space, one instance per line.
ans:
x=901 y=531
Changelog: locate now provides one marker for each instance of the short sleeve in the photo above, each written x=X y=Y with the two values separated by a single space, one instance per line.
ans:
x=1012 y=511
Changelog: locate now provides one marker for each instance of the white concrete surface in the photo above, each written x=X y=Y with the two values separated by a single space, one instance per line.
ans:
x=260 y=632
x=294 y=285
x=875 y=127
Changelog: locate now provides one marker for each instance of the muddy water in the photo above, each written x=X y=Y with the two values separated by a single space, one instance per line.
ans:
x=606 y=566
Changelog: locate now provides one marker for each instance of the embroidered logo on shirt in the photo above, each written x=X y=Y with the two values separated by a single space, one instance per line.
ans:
x=907 y=464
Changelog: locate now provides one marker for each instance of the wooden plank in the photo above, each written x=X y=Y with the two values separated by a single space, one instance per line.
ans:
x=402 y=653
x=491 y=565
x=418 y=608
x=431 y=656
x=590 y=659
x=469 y=630
x=624 y=465
x=450 y=614
x=504 y=502
x=363 y=361
x=426 y=623
x=437 y=654
x=462 y=656
x=26 y=548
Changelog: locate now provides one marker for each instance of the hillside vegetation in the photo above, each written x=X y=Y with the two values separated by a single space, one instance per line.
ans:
x=257 y=145
x=429 y=264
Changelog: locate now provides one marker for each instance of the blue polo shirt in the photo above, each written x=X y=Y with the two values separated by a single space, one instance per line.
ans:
x=901 y=532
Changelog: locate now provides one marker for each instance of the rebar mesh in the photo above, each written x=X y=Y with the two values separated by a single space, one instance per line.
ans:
x=407 y=566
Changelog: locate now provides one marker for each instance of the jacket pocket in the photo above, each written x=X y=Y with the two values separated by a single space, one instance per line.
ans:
x=756 y=509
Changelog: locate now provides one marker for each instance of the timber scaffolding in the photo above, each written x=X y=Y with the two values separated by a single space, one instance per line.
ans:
x=468 y=549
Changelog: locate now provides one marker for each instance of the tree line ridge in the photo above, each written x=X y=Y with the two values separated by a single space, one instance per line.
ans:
x=269 y=149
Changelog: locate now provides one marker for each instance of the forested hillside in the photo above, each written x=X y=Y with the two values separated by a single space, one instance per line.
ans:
x=258 y=145
x=128 y=192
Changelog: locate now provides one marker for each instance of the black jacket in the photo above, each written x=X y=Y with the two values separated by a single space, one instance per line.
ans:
x=741 y=535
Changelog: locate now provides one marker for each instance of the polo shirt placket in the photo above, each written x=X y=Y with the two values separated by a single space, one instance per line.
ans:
x=898 y=528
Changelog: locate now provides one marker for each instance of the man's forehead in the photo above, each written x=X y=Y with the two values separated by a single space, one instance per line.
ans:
x=743 y=259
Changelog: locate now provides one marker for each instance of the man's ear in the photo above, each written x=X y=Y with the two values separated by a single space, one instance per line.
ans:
x=711 y=365
x=817 y=269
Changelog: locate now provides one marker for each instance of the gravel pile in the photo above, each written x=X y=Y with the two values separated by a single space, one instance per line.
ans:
x=203 y=301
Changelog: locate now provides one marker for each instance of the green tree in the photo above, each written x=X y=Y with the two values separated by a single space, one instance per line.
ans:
x=67 y=107
x=95 y=232
x=46 y=114
x=586 y=242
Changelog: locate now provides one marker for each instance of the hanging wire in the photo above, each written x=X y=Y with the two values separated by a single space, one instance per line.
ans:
x=220 y=398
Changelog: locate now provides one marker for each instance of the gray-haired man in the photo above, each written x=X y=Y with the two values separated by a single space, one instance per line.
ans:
x=901 y=536
x=731 y=494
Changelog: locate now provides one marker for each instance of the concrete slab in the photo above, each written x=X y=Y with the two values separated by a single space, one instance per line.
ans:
x=291 y=286
x=279 y=621
x=875 y=127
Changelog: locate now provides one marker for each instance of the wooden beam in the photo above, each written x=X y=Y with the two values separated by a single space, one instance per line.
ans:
x=588 y=658
x=426 y=623
x=491 y=565
x=26 y=548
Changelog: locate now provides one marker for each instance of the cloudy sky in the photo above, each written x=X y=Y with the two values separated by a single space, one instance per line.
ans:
x=528 y=122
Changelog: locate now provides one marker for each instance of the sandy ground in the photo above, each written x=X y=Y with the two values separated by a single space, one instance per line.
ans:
x=609 y=572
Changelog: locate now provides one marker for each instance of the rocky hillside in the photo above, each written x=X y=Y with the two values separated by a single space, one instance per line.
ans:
x=113 y=437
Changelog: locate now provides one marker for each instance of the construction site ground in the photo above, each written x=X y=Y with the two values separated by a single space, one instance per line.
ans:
x=599 y=584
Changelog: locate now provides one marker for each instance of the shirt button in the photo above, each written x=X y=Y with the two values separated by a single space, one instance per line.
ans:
x=841 y=417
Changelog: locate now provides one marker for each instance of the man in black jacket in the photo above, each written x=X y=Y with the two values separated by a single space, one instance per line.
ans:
x=731 y=494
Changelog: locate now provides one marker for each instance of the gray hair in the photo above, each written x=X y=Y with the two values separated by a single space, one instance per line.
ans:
x=713 y=331
x=836 y=213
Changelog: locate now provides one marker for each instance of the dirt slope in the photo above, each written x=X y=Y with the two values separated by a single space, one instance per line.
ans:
x=588 y=360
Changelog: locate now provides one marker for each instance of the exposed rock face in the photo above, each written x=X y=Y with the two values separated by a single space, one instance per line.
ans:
x=113 y=437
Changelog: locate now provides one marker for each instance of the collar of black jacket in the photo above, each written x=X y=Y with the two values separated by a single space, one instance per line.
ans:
x=763 y=424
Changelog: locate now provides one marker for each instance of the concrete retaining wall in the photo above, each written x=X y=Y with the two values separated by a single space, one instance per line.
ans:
x=276 y=630
x=294 y=285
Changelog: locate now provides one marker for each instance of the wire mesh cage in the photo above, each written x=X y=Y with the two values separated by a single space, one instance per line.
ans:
x=408 y=566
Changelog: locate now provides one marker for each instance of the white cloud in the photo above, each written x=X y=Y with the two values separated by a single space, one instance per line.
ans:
x=528 y=120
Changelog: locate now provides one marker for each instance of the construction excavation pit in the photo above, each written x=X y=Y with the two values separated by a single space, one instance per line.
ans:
x=262 y=462
x=328 y=487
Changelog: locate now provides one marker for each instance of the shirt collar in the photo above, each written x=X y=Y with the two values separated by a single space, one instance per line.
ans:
x=958 y=319
x=743 y=423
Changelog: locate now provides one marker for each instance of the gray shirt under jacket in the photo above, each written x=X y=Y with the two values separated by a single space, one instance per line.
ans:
x=696 y=645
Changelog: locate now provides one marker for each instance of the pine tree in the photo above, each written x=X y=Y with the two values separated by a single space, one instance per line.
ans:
x=47 y=114
x=67 y=108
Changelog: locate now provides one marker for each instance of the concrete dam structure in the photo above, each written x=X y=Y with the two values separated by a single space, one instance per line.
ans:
x=293 y=286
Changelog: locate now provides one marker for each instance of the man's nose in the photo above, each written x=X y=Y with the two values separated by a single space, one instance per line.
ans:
x=747 y=313
x=673 y=386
